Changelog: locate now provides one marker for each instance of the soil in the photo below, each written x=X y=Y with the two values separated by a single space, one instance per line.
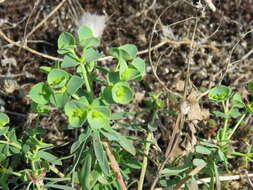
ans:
x=223 y=32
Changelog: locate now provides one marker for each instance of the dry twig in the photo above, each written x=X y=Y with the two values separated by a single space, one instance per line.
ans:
x=45 y=19
x=29 y=49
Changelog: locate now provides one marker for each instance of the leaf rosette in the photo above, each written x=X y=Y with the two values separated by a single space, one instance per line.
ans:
x=76 y=112
x=122 y=93
x=99 y=118
x=219 y=93
x=40 y=93
x=66 y=43
x=57 y=79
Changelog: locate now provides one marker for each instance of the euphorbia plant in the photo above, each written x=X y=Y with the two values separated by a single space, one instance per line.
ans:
x=76 y=95
x=234 y=108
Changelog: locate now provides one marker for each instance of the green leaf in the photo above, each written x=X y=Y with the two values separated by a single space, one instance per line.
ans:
x=199 y=162
x=202 y=150
x=84 y=101
x=221 y=155
x=49 y=157
x=92 y=55
x=122 y=140
x=100 y=153
x=74 y=84
x=139 y=64
x=107 y=95
x=45 y=69
x=74 y=147
x=69 y=61
x=121 y=115
x=40 y=108
x=121 y=93
x=85 y=172
x=122 y=65
x=114 y=52
x=129 y=74
x=250 y=87
x=94 y=176
x=84 y=32
x=57 y=78
x=249 y=108
x=221 y=114
x=132 y=164
x=113 y=77
x=219 y=93
x=59 y=100
x=40 y=93
x=235 y=113
x=81 y=139
x=86 y=37
x=4 y=119
x=128 y=51
x=208 y=144
x=173 y=171
x=76 y=112
x=84 y=135
x=237 y=101
x=90 y=66
x=3 y=130
x=66 y=43
x=99 y=118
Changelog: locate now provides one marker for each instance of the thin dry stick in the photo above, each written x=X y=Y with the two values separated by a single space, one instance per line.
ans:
x=225 y=178
x=29 y=49
x=230 y=55
x=210 y=5
x=104 y=58
x=45 y=19
x=149 y=51
x=180 y=119
x=29 y=18
x=115 y=166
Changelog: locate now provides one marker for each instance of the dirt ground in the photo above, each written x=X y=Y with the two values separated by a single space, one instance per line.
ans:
x=222 y=52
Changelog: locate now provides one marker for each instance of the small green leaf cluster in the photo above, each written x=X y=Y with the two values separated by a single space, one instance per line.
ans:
x=204 y=158
x=65 y=90
x=30 y=151
x=76 y=95
x=234 y=108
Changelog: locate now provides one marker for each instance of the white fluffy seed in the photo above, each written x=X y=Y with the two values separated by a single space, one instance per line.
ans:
x=96 y=22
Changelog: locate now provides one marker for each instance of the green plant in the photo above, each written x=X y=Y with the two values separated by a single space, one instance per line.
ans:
x=208 y=158
x=30 y=150
x=234 y=108
x=88 y=108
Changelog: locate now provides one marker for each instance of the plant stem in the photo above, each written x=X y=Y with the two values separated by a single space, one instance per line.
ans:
x=115 y=166
x=85 y=77
x=12 y=144
x=146 y=152
x=84 y=72
x=56 y=171
x=224 y=130
x=145 y=161
x=5 y=170
x=236 y=126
